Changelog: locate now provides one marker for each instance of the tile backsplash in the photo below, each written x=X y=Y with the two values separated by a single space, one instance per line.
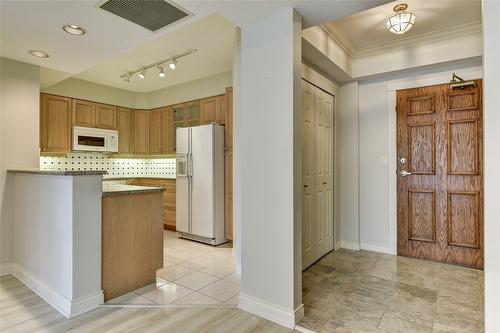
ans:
x=116 y=167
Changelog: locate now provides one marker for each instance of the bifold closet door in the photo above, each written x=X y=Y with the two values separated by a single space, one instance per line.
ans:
x=317 y=174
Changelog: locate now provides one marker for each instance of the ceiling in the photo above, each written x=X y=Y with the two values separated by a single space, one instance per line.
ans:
x=113 y=45
x=213 y=36
x=365 y=32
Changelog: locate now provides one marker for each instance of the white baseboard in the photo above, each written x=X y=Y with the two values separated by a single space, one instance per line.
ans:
x=5 y=269
x=271 y=312
x=59 y=302
x=349 y=245
x=376 y=248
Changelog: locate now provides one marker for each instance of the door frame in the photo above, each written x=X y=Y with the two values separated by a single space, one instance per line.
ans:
x=392 y=87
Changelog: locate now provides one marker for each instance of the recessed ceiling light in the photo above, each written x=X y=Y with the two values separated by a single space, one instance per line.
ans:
x=74 y=29
x=38 y=53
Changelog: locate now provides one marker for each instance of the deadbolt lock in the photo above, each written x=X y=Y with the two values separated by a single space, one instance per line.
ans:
x=403 y=160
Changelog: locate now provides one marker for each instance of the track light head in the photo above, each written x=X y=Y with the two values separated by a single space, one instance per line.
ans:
x=142 y=74
x=127 y=78
x=162 y=72
x=172 y=64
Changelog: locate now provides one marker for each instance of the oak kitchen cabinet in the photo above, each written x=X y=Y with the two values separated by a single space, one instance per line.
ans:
x=168 y=197
x=155 y=131
x=228 y=102
x=168 y=139
x=91 y=114
x=141 y=132
x=55 y=124
x=125 y=126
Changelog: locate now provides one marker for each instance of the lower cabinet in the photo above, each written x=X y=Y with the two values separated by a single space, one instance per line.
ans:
x=168 y=197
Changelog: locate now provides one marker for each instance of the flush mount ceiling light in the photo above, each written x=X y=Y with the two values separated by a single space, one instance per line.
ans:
x=74 y=29
x=38 y=53
x=162 y=72
x=401 y=22
x=171 y=61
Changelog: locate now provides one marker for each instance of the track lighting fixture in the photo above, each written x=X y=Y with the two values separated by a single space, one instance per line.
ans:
x=171 y=61
x=162 y=72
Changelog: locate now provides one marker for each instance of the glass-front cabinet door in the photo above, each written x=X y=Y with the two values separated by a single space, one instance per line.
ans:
x=179 y=115
x=193 y=113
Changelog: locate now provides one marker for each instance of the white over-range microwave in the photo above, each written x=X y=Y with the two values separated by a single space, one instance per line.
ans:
x=94 y=139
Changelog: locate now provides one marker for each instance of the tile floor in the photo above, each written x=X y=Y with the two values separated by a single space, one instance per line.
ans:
x=193 y=274
x=348 y=291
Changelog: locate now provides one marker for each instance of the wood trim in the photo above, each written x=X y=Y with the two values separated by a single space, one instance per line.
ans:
x=410 y=211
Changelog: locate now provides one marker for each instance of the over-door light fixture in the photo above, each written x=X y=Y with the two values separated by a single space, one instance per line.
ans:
x=401 y=22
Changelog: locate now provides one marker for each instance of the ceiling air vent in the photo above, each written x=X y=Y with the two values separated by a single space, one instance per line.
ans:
x=150 y=14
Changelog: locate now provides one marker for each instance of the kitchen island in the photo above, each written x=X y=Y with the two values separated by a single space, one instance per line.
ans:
x=132 y=237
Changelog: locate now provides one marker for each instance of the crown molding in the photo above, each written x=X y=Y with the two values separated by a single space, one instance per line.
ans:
x=402 y=42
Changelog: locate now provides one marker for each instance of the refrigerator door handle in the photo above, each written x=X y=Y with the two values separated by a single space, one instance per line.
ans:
x=190 y=165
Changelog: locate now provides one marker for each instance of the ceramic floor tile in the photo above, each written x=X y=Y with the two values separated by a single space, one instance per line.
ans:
x=121 y=298
x=159 y=282
x=167 y=293
x=197 y=299
x=199 y=263
x=221 y=290
x=219 y=269
x=196 y=280
x=167 y=263
x=234 y=277
x=235 y=300
x=138 y=300
x=174 y=272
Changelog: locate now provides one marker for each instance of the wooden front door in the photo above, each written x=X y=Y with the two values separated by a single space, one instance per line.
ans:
x=440 y=190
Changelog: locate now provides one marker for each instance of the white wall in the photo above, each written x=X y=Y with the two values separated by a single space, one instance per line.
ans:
x=491 y=27
x=349 y=164
x=204 y=87
x=270 y=178
x=19 y=131
x=377 y=143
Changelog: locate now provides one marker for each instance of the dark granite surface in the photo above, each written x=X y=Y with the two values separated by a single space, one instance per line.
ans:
x=60 y=172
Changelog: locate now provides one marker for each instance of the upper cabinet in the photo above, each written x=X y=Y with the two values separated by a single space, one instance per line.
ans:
x=105 y=116
x=229 y=117
x=125 y=126
x=155 y=131
x=141 y=132
x=83 y=113
x=55 y=124
x=168 y=137
x=90 y=114
x=213 y=110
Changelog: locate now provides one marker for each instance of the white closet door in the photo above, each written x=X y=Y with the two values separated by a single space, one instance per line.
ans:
x=308 y=207
x=317 y=174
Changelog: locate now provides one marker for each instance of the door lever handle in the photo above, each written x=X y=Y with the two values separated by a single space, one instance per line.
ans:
x=404 y=173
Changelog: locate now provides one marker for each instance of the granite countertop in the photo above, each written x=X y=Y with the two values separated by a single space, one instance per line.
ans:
x=115 y=189
x=60 y=172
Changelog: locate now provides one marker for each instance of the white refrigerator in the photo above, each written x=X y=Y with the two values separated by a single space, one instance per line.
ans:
x=200 y=183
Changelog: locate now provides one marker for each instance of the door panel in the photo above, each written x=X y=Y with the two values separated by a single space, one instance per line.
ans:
x=440 y=200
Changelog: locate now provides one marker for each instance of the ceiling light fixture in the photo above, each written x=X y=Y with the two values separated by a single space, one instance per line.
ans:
x=171 y=61
x=74 y=29
x=401 y=22
x=162 y=72
x=38 y=53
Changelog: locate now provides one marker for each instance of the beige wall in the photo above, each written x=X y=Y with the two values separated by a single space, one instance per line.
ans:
x=19 y=113
x=196 y=89
x=204 y=87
